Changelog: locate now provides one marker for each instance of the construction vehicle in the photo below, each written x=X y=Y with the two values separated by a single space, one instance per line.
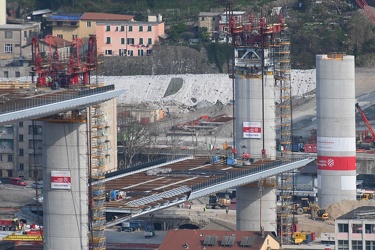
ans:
x=305 y=206
x=368 y=141
x=9 y=224
x=303 y=237
x=365 y=196
x=319 y=214
x=216 y=201
x=308 y=207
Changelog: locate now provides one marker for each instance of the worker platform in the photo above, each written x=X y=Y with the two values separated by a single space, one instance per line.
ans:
x=167 y=184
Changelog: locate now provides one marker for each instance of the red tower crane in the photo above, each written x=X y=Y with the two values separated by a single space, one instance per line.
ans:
x=369 y=12
x=365 y=120
x=39 y=68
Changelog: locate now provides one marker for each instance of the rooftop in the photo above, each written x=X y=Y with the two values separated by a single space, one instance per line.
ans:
x=364 y=212
x=18 y=26
x=214 y=239
x=65 y=17
x=105 y=17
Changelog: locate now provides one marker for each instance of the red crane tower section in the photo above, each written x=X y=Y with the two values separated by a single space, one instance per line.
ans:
x=365 y=120
x=67 y=68
x=369 y=12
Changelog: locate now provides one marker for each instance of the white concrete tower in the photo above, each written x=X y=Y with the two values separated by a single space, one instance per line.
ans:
x=65 y=178
x=255 y=131
x=335 y=93
x=3 y=12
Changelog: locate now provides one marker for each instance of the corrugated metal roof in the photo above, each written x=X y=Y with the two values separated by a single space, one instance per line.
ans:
x=105 y=17
x=210 y=13
x=17 y=26
x=65 y=17
x=40 y=12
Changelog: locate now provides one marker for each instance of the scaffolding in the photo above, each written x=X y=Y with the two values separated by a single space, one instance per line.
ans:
x=98 y=192
x=283 y=82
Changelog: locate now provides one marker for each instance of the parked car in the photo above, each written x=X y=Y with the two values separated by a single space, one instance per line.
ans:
x=17 y=181
x=38 y=185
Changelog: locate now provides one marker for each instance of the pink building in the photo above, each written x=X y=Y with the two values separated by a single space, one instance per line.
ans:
x=128 y=38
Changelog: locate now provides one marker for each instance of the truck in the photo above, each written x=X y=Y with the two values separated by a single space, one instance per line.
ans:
x=9 y=224
x=216 y=201
x=130 y=226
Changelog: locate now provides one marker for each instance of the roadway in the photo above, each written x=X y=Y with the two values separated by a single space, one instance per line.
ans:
x=167 y=184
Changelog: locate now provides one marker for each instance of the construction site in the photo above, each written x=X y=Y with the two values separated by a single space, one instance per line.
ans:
x=85 y=188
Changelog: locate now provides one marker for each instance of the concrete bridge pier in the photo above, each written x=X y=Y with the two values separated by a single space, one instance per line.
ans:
x=65 y=191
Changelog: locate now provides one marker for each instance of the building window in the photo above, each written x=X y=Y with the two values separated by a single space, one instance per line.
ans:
x=140 y=40
x=74 y=37
x=20 y=152
x=357 y=228
x=140 y=28
x=370 y=245
x=148 y=52
x=25 y=33
x=21 y=166
x=20 y=124
x=60 y=36
x=8 y=48
x=36 y=130
x=130 y=41
x=59 y=23
x=108 y=41
x=73 y=23
x=122 y=52
x=343 y=245
x=149 y=28
x=130 y=28
x=18 y=74
x=356 y=245
x=1 y=157
x=88 y=24
x=343 y=228
x=116 y=29
x=20 y=138
x=6 y=74
x=140 y=52
x=10 y=158
x=8 y=34
x=149 y=41
x=108 y=28
x=108 y=52
x=122 y=40
x=130 y=52
x=213 y=19
x=202 y=18
x=122 y=28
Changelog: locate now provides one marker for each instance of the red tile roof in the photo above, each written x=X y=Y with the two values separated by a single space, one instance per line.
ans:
x=57 y=42
x=194 y=239
x=105 y=17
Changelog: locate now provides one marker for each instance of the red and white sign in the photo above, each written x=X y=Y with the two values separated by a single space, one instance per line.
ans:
x=60 y=180
x=252 y=130
x=337 y=163
x=336 y=144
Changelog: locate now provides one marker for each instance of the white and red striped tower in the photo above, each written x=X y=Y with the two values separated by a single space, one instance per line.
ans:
x=335 y=93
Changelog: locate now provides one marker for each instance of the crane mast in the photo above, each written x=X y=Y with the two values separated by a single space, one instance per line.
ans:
x=365 y=120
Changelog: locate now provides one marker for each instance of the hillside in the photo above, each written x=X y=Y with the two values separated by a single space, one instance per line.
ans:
x=331 y=26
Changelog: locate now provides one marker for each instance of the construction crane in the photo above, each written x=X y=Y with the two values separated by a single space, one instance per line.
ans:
x=368 y=139
x=367 y=9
